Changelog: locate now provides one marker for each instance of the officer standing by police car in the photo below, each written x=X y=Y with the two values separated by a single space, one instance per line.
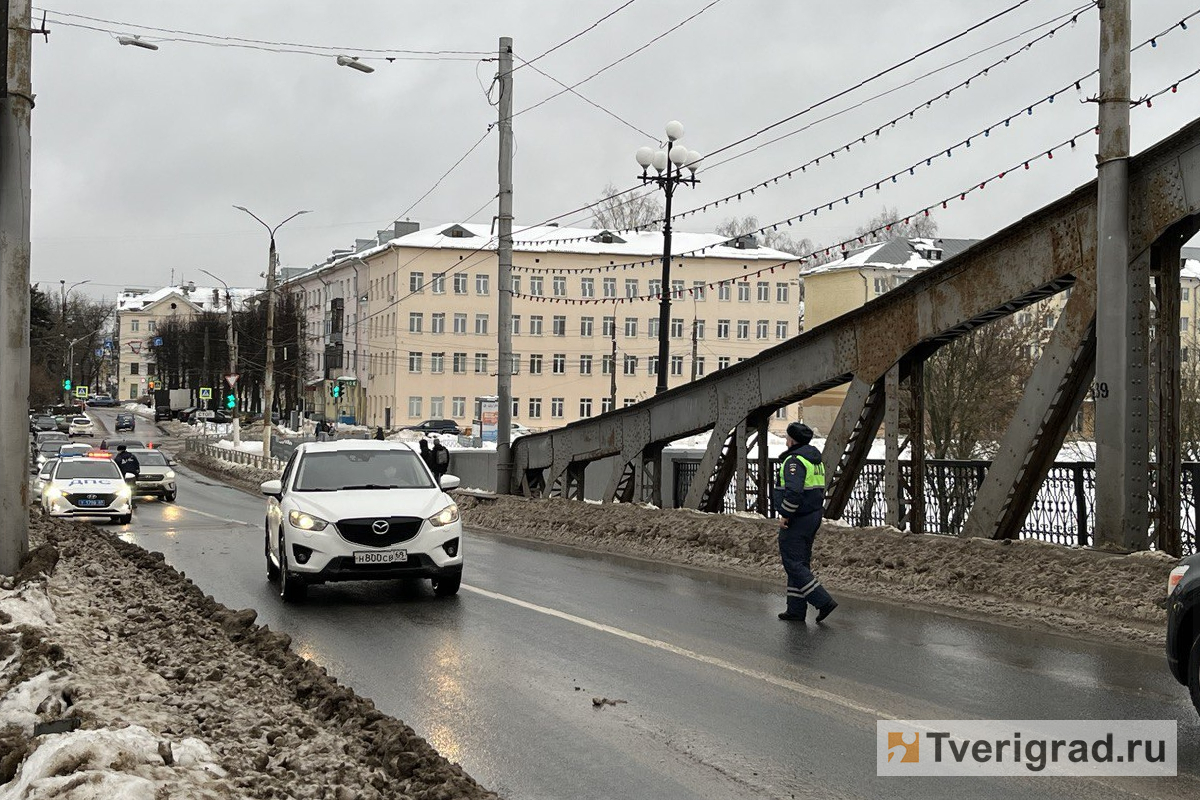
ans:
x=799 y=500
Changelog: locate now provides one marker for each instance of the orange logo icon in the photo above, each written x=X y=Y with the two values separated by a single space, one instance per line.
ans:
x=909 y=752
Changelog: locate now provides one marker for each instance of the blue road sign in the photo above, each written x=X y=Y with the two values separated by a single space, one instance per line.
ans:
x=158 y=341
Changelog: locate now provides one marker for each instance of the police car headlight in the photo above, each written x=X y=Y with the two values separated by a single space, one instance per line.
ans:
x=54 y=493
x=446 y=516
x=123 y=492
x=306 y=522
x=170 y=475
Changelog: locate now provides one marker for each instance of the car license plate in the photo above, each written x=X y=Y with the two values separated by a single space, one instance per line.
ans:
x=87 y=503
x=380 y=556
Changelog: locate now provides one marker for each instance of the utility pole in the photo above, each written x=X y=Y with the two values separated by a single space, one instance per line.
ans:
x=504 y=465
x=1122 y=298
x=695 y=322
x=62 y=333
x=612 y=388
x=16 y=106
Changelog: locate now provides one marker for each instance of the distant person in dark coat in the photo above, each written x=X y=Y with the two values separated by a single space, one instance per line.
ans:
x=426 y=454
x=799 y=500
x=441 y=458
x=379 y=434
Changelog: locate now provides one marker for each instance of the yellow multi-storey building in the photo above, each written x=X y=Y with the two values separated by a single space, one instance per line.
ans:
x=585 y=318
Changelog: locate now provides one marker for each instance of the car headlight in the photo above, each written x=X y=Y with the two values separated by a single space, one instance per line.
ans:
x=445 y=516
x=1175 y=577
x=170 y=475
x=123 y=492
x=54 y=493
x=306 y=522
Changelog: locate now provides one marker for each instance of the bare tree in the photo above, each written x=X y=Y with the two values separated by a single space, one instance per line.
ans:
x=616 y=211
x=876 y=228
x=778 y=240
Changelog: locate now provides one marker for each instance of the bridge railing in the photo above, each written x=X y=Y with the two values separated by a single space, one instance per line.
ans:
x=1063 y=511
x=196 y=445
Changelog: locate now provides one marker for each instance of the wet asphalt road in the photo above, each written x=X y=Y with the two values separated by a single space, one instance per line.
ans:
x=723 y=700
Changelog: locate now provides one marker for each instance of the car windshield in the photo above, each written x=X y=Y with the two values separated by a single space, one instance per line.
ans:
x=151 y=458
x=81 y=420
x=87 y=468
x=51 y=447
x=45 y=420
x=360 y=469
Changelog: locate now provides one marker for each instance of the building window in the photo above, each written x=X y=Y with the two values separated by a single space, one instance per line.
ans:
x=610 y=287
x=762 y=329
x=606 y=405
x=631 y=287
x=460 y=283
x=556 y=407
x=515 y=285
x=764 y=292
x=416 y=282
x=558 y=364
x=414 y=408
x=699 y=366
x=438 y=284
x=416 y=321
x=1183 y=324
x=676 y=365
x=587 y=287
x=781 y=327
x=781 y=293
x=437 y=322
x=626 y=402
x=560 y=286
x=585 y=407
x=723 y=291
x=676 y=328
x=631 y=327
x=781 y=413
x=585 y=365
x=698 y=289
x=535 y=325
x=535 y=408
x=559 y=325
x=722 y=362
x=722 y=329
x=481 y=284
x=537 y=285
x=133 y=391
x=481 y=324
x=535 y=364
x=585 y=325
x=631 y=365
x=677 y=288
x=414 y=361
x=608 y=326
x=516 y=324
x=516 y=407
x=134 y=368
x=460 y=363
x=515 y=361
x=698 y=325
x=437 y=364
x=460 y=323
x=458 y=407
x=652 y=328
x=151 y=326
x=652 y=365
x=654 y=286
x=134 y=325
x=481 y=363
x=881 y=285
x=743 y=329
x=743 y=291
x=1185 y=293
x=437 y=407
x=606 y=364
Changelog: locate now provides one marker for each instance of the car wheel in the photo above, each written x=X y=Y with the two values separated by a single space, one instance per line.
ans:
x=1194 y=672
x=124 y=519
x=291 y=588
x=447 y=586
x=170 y=496
x=272 y=568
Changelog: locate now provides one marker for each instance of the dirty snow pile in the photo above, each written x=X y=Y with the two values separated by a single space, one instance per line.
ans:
x=121 y=679
x=1026 y=582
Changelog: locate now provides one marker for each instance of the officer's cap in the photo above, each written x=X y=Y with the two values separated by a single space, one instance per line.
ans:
x=799 y=433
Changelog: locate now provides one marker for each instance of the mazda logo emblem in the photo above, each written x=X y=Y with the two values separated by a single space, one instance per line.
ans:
x=380 y=526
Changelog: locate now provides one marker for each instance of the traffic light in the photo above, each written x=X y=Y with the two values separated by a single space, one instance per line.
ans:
x=66 y=384
x=151 y=384
x=333 y=390
x=230 y=400
x=337 y=390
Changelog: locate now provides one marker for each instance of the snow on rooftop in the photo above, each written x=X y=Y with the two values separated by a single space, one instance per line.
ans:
x=1191 y=269
x=201 y=296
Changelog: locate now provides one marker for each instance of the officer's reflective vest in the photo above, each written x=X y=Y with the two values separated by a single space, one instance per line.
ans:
x=814 y=474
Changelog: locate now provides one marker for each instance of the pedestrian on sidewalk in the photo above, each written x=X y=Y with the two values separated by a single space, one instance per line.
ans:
x=426 y=453
x=379 y=434
x=441 y=458
x=799 y=501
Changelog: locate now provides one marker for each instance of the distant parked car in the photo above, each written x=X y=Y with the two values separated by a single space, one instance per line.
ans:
x=125 y=422
x=162 y=413
x=64 y=421
x=42 y=422
x=1183 y=625
x=436 y=426
x=82 y=426
x=185 y=414
x=101 y=401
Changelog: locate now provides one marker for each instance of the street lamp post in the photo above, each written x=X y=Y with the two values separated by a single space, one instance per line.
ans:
x=64 y=290
x=231 y=345
x=269 y=370
x=668 y=179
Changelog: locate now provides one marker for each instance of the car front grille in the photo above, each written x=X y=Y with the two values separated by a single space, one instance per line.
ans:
x=147 y=477
x=361 y=530
x=105 y=500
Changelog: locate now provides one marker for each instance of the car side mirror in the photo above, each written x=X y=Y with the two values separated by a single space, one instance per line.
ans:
x=449 y=482
x=272 y=489
x=129 y=476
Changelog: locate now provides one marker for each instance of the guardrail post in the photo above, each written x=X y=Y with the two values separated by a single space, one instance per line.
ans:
x=1081 y=515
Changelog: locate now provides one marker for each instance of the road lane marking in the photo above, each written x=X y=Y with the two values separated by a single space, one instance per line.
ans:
x=211 y=516
x=720 y=663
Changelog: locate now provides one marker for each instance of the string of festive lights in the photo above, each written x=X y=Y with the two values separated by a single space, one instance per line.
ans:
x=845 y=245
x=877 y=131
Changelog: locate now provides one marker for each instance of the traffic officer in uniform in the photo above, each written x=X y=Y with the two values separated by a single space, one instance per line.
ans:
x=799 y=500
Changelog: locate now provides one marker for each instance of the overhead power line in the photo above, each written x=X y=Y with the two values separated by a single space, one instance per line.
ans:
x=570 y=39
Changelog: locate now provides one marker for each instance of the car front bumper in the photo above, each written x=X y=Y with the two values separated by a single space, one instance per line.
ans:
x=60 y=507
x=159 y=488
x=331 y=558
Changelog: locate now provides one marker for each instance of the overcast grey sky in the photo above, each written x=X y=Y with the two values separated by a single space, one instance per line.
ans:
x=139 y=156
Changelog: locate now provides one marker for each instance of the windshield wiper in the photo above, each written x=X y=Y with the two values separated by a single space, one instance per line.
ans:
x=371 y=486
x=316 y=490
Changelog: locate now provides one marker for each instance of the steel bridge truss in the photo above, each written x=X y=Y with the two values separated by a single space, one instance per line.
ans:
x=878 y=352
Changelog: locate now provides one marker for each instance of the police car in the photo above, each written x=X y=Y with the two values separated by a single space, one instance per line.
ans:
x=87 y=486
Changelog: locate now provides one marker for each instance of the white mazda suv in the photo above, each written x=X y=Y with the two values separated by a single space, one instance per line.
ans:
x=360 y=510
